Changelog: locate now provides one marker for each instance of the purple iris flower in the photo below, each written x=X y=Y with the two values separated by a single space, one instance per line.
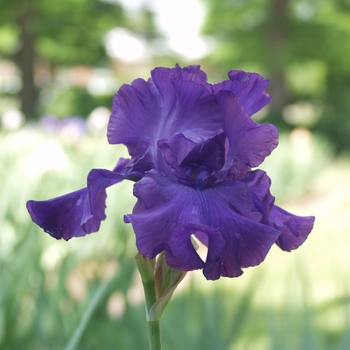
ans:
x=193 y=146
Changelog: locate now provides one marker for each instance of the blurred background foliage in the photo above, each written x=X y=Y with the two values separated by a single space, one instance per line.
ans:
x=59 y=69
x=302 y=46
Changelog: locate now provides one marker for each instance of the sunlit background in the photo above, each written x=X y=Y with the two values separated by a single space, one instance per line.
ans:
x=60 y=65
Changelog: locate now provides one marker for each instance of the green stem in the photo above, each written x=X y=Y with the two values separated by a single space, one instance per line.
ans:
x=150 y=294
x=146 y=267
x=153 y=326
x=154 y=335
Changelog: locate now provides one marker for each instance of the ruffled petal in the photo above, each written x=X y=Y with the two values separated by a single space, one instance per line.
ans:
x=175 y=150
x=98 y=180
x=192 y=162
x=173 y=101
x=249 y=142
x=198 y=115
x=135 y=107
x=247 y=244
x=153 y=215
x=65 y=216
x=77 y=213
x=259 y=188
x=208 y=156
x=168 y=213
x=180 y=253
x=162 y=79
x=195 y=74
x=295 y=229
x=249 y=88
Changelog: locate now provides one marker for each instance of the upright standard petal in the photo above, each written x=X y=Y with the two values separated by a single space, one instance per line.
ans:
x=249 y=88
x=173 y=101
x=194 y=162
x=162 y=78
x=249 y=142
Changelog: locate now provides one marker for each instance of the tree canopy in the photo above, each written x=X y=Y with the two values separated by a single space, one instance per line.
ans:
x=63 y=34
x=303 y=46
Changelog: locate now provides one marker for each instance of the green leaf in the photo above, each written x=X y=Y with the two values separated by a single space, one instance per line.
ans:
x=166 y=279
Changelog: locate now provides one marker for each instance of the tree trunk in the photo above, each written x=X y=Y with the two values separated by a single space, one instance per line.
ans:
x=25 y=58
x=277 y=37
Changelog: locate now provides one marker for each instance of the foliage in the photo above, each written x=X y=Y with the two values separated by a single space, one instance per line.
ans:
x=280 y=38
x=46 y=285
x=67 y=34
x=75 y=102
x=40 y=33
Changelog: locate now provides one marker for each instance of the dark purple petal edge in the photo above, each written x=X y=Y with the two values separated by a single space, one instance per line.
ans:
x=77 y=213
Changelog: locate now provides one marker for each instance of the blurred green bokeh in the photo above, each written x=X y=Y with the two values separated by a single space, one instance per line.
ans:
x=70 y=59
x=291 y=301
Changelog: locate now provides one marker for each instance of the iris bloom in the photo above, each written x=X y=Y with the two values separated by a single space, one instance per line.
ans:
x=192 y=149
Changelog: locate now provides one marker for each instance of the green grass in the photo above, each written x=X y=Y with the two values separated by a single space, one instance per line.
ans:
x=291 y=301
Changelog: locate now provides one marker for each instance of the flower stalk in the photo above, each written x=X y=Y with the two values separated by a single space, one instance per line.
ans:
x=146 y=268
x=159 y=282
x=154 y=335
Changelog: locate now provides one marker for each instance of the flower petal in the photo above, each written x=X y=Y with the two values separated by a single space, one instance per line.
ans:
x=194 y=73
x=259 y=187
x=153 y=214
x=295 y=229
x=191 y=161
x=167 y=213
x=208 y=155
x=162 y=78
x=249 y=142
x=198 y=115
x=77 y=213
x=175 y=150
x=136 y=107
x=173 y=101
x=180 y=253
x=64 y=216
x=249 y=88
x=247 y=244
